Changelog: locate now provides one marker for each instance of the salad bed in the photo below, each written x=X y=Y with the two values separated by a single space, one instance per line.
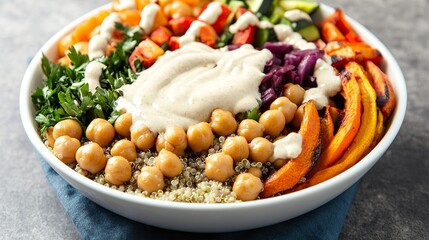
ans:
x=334 y=137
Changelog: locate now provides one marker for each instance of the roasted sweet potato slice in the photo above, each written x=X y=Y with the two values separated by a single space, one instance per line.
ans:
x=364 y=138
x=326 y=128
x=348 y=128
x=331 y=33
x=343 y=52
x=339 y=20
x=295 y=169
x=386 y=98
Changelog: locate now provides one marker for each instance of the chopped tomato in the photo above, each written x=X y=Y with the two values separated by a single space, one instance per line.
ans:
x=180 y=25
x=244 y=36
x=174 y=44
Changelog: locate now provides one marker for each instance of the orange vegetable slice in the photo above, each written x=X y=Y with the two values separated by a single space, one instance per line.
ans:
x=331 y=33
x=386 y=99
x=326 y=128
x=348 y=128
x=364 y=138
x=295 y=169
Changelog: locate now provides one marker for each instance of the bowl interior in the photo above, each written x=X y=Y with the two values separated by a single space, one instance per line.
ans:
x=200 y=217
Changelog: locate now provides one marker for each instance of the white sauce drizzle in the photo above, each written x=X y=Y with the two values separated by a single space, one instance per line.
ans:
x=288 y=147
x=296 y=15
x=148 y=17
x=211 y=13
x=246 y=20
x=184 y=86
x=285 y=34
x=328 y=84
x=192 y=33
x=127 y=4
x=92 y=74
x=98 y=43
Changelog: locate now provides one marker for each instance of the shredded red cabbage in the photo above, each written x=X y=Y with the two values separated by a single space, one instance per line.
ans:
x=288 y=65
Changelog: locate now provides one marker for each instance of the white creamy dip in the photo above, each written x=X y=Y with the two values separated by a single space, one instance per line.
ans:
x=285 y=34
x=296 y=15
x=288 y=147
x=98 y=43
x=148 y=17
x=328 y=84
x=184 y=86
x=92 y=74
x=246 y=20
x=211 y=13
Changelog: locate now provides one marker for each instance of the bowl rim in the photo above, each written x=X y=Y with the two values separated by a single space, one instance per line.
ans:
x=357 y=171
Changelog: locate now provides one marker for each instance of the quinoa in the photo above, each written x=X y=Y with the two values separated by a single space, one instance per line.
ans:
x=191 y=186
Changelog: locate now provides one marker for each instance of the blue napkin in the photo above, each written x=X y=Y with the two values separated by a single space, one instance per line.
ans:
x=95 y=222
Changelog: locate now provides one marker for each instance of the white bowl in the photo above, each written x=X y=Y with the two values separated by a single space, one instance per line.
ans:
x=212 y=217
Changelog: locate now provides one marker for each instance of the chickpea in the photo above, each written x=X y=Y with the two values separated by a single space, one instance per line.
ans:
x=65 y=148
x=247 y=186
x=124 y=148
x=169 y=163
x=223 y=122
x=294 y=92
x=261 y=149
x=236 y=147
x=117 y=171
x=91 y=157
x=273 y=122
x=100 y=131
x=142 y=137
x=297 y=119
x=50 y=136
x=219 y=166
x=287 y=107
x=69 y=127
x=150 y=179
x=173 y=139
x=123 y=124
x=257 y=172
x=250 y=129
x=200 y=137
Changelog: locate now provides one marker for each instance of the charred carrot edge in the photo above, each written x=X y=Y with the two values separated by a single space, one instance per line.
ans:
x=326 y=128
x=364 y=137
x=343 y=52
x=294 y=170
x=348 y=128
x=386 y=98
x=331 y=33
x=339 y=20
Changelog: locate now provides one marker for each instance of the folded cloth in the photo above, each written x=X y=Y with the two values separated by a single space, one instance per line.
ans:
x=95 y=222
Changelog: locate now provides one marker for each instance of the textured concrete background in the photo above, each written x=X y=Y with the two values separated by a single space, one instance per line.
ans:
x=393 y=199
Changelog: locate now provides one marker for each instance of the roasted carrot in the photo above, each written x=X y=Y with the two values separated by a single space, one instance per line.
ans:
x=348 y=128
x=379 y=130
x=339 y=20
x=295 y=169
x=331 y=33
x=386 y=99
x=364 y=137
x=326 y=128
x=343 y=52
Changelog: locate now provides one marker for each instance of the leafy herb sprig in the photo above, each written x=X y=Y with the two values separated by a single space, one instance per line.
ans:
x=66 y=95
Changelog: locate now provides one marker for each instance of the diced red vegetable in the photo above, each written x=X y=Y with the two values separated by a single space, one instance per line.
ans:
x=180 y=25
x=147 y=52
x=208 y=35
x=222 y=20
x=161 y=35
x=245 y=36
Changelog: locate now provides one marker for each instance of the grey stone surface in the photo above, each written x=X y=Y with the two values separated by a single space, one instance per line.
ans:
x=391 y=203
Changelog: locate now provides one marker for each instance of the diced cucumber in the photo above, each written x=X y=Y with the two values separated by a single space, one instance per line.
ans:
x=260 y=6
x=277 y=14
x=307 y=6
x=300 y=24
x=310 y=33
x=285 y=21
